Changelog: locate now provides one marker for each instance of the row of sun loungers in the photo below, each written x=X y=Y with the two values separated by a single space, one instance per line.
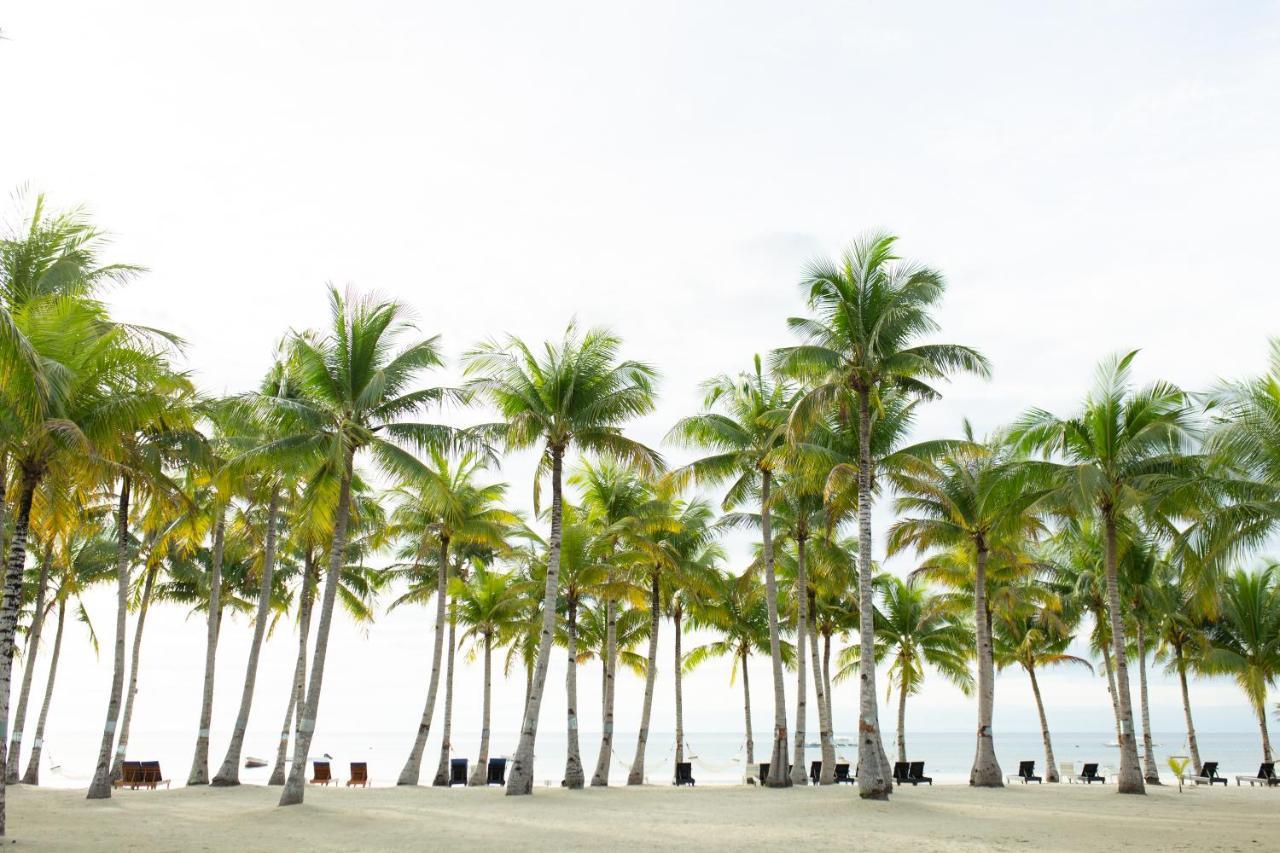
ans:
x=140 y=774
x=497 y=773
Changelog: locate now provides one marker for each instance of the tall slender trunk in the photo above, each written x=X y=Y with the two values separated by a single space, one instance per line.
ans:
x=874 y=780
x=1192 y=745
x=441 y=779
x=413 y=765
x=828 y=774
x=293 y=788
x=521 y=781
x=9 y=606
x=1266 y=737
x=678 y=663
x=306 y=597
x=199 y=774
x=1152 y=774
x=986 y=768
x=600 y=779
x=799 y=766
x=229 y=773
x=902 y=723
x=779 y=759
x=480 y=775
x=1110 y=669
x=1051 y=766
x=746 y=710
x=1130 y=775
x=29 y=669
x=636 y=776
x=826 y=682
x=126 y=721
x=100 y=787
x=32 y=776
x=573 y=775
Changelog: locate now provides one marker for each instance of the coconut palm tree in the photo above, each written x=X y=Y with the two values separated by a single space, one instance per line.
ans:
x=743 y=425
x=1181 y=643
x=1126 y=451
x=871 y=309
x=575 y=393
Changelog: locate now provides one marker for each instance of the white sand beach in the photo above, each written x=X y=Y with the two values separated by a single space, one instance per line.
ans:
x=943 y=818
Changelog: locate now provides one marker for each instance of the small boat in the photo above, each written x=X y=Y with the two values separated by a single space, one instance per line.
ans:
x=250 y=761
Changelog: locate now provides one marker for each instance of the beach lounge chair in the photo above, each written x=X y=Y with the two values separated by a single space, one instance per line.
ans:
x=1209 y=775
x=1026 y=773
x=497 y=772
x=359 y=774
x=815 y=771
x=900 y=771
x=1088 y=774
x=1067 y=770
x=152 y=776
x=764 y=772
x=915 y=774
x=457 y=771
x=684 y=774
x=1266 y=775
x=842 y=774
x=130 y=775
x=322 y=775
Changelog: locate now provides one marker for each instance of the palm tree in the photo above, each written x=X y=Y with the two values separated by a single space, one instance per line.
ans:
x=1124 y=452
x=976 y=496
x=1245 y=639
x=575 y=393
x=1181 y=644
x=871 y=309
x=744 y=427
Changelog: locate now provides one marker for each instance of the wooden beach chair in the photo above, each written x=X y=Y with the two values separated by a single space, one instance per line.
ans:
x=842 y=774
x=1266 y=775
x=151 y=775
x=322 y=775
x=900 y=771
x=684 y=774
x=130 y=773
x=457 y=771
x=497 y=772
x=1209 y=775
x=815 y=771
x=1026 y=773
x=359 y=774
x=915 y=774
x=1088 y=774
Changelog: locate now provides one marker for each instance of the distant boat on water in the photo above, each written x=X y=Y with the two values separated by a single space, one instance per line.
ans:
x=251 y=762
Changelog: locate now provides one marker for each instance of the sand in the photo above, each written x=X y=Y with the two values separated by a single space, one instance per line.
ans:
x=943 y=818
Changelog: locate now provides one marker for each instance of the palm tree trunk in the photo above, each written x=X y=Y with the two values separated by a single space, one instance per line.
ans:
x=826 y=681
x=1111 y=686
x=441 y=779
x=306 y=597
x=199 y=774
x=12 y=602
x=746 y=709
x=1192 y=745
x=229 y=773
x=573 y=775
x=1051 y=765
x=413 y=765
x=293 y=788
x=874 y=779
x=778 y=761
x=480 y=775
x=799 y=766
x=636 y=776
x=600 y=779
x=521 y=781
x=144 y=606
x=1266 y=737
x=32 y=776
x=100 y=787
x=986 y=768
x=902 y=723
x=1148 y=753
x=29 y=670
x=828 y=774
x=1130 y=775
x=678 y=663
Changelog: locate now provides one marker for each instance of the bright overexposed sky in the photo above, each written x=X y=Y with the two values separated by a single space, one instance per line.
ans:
x=1090 y=178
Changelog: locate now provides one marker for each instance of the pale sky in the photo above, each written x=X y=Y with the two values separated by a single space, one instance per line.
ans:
x=1090 y=179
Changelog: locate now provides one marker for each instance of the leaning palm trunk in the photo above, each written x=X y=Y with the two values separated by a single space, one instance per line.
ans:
x=600 y=779
x=799 y=775
x=413 y=765
x=12 y=601
x=1266 y=736
x=1110 y=669
x=1192 y=745
x=480 y=775
x=986 y=768
x=746 y=710
x=1130 y=775
x=229 y=773
x=441 y=779
x=100 y=787
x=636 y=776
x=828 y=774
x=1051 y=767
x=1152 y=775
x=521 y=781
x=902 y=723
x=778 y=776
x=28 y=672
x=573 y=775
x=200 y=760
x=299 y=667
x=32 y=776
x=874 y=781
x=679 y=667
x=126 y=721
x=293 y=788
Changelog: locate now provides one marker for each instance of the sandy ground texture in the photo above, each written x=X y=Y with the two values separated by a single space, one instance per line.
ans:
x=944 y=818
